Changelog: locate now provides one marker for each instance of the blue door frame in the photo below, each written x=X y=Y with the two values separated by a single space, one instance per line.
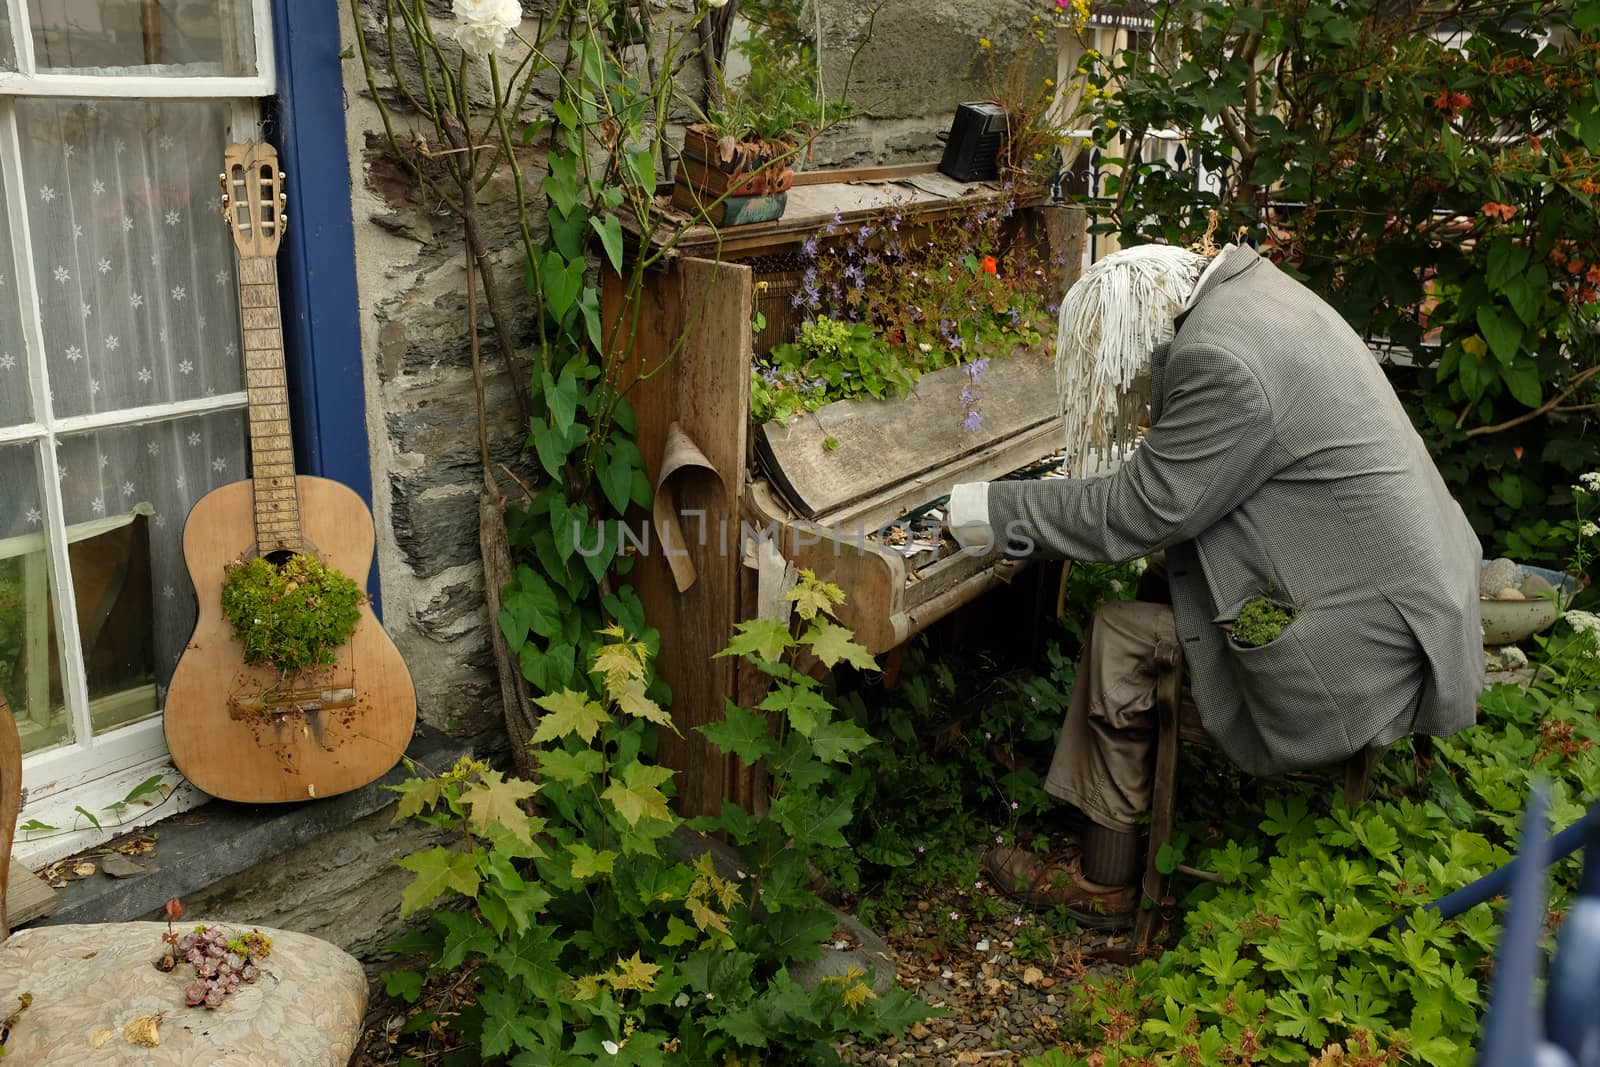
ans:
x=321 y=308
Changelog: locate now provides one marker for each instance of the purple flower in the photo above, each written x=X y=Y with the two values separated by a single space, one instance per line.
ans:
x=972 y=422
x=987 y=736
x=956 y=342
x=954 y=915
x=999 y=839
x=1017 y=921
x=853 y=274
x=920 y=850
x=810 y=276
x=1013 y=805
x=977 y=885
x=967 y=397
x=809 y=249
x=894 y=222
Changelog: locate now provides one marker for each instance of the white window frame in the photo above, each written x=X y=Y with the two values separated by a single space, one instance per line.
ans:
x=90 y=772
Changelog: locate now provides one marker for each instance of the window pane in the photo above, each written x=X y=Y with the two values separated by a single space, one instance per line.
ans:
x=132 y=258
x=181 y=38
x=30 y=671
x=126 y=493
x=8 y=49
x=15 y=402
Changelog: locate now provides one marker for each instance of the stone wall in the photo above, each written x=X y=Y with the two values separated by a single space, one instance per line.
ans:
x=907 y=79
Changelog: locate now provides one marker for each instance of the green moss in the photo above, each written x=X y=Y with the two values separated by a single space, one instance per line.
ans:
x=1260 y=622
x=293 y=615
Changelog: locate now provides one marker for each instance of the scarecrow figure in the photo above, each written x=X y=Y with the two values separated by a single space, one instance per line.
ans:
x=1278 y=464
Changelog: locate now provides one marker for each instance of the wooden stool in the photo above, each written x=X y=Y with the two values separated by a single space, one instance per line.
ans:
x=1177 y=722
x=87 y=983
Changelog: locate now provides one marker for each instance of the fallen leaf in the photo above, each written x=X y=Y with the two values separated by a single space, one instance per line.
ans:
x=83 y=869
x=143 y=1031
x=1032 y=976
x=919 y=1031
x=100 y=1037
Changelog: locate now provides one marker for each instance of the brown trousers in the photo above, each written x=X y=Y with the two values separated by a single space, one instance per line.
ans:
x=1105 y=754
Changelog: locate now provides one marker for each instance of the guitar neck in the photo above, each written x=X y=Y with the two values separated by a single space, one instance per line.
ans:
x=277 y=501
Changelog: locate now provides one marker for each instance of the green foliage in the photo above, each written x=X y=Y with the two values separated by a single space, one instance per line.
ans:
x=830 y=360
x=1448 y=186
x=12 y=622
x=776 y=101
x=294 y=615
x=587 y=939
x=1294 y=952
x=1260 y=622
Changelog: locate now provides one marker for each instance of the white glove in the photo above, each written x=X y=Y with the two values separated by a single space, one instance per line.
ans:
x=967 y=516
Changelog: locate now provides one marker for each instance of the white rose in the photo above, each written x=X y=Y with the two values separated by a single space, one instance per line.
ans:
x=483 y=25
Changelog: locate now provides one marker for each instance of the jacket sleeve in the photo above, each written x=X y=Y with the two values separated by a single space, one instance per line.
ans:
x=1213 y=446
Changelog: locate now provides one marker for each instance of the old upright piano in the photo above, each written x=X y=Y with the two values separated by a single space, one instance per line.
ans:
x=851 y=491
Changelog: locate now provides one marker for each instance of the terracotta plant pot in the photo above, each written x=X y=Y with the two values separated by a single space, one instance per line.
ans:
x=709 y=169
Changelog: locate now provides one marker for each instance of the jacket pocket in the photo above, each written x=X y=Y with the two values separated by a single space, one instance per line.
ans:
x=1289 y=705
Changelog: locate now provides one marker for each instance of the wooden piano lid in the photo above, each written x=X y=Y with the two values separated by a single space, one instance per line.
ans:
x=855 y=194
x=891 y=456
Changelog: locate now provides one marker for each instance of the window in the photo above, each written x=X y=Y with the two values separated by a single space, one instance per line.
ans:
x=121 y=388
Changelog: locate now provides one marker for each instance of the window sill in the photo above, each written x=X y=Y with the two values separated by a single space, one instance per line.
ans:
x=210 y=842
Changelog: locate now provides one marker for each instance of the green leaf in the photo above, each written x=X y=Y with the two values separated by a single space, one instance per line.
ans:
x=765 y=639
x=631 y=700
x=503 y=1028
x=568 y=712
x=87 y=814
x=437 y=870
x=150 y=785
x=610 y=231
x=1522 y=378
x=831 y=643
x=562 y=282
x=586 y=862
x=494 y=799
x=1502 y=331
x=561 y=186
x=563 y=766
x=833 y=742
x=742 y=732
x=561 y=395
x=417 y=795
x=636 y=794
x=804 y=707
x=617 y=462
x=407 y=985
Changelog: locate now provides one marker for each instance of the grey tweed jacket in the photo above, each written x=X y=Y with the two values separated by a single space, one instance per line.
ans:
x=1279 y=462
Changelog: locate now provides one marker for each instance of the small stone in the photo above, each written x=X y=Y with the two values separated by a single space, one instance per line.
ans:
x=919 y=1031
x=1535 y=586
x=1512 y=658
x=1512 y=593
x=982 y=946
x=118 y=866
x=1495 y=576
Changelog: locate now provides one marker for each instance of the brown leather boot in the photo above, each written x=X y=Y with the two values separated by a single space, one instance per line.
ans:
x=1057 y=880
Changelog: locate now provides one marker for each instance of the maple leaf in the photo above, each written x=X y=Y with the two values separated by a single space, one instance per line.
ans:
x=564 y=766
x=636 y=794
x=568 y=712
x=742 y=732
x=811 y=596
x=588 y=987
x=635 y=973
x=856 y=997
x=704 y=916
x=586 y=862
x=632 y=701
x=620 y=663
x=437 y=869
x=831 y=643
x=804 y=707
x=765 y=639
x=492 y=799
x=834 y=741
x=417 y=795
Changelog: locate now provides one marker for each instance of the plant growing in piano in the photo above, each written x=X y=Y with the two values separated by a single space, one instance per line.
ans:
x=294 y=615
x=829 y=360
x=580 y=930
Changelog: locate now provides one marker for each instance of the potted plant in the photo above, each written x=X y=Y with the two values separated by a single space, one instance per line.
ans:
x=744 y=150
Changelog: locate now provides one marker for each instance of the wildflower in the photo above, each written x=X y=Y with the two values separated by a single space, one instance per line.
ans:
x=1589 y=529
x=1111 y=124
x=1583 y=622
x=968 y=397
x=484 y=24
x=977 y=885
x=954 y=915
x=972 y=422
x=999 y=839
x=990 y=265
x=920 y=850
x=985 y=43
x=1013 y=805
x=987 y=736
x=924 y=347
x=809 y=248
x=1591 y=481
x=1017 y=921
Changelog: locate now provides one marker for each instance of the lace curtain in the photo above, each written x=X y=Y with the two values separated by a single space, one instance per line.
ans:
x=134 y=267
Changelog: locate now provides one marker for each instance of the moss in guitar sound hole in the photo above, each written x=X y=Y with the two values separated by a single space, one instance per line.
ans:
x=294 y=614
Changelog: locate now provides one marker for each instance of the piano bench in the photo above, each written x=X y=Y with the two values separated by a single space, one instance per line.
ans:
x=1178 y=722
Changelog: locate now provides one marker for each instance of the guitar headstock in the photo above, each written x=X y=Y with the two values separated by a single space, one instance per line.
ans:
x=253 y=200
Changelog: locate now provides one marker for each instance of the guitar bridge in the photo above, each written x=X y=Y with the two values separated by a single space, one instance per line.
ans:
x=283 y=702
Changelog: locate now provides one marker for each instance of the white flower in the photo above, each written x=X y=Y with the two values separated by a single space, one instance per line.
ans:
x=680 y=1001
x=610 y=1046
x=1588 y=529
x=1591 y=481
x=1583 y=622
x=484 y=24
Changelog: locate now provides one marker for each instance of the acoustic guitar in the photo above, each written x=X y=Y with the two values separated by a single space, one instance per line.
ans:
x=249 y=733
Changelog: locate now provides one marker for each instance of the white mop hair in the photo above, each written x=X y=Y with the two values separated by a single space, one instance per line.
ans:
x=1111 y=321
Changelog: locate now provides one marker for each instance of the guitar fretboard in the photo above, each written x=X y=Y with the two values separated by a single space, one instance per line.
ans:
x=277 y=503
